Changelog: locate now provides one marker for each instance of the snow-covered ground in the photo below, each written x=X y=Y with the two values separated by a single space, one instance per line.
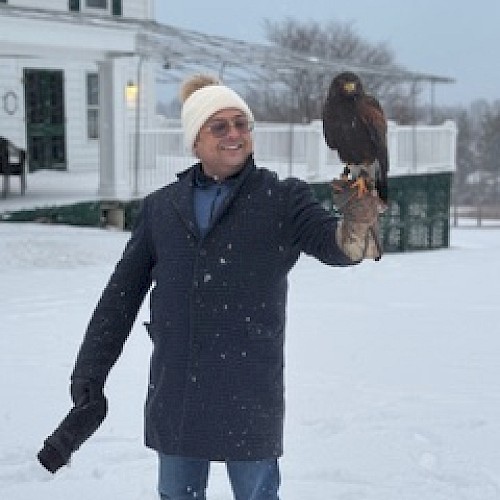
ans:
x=392 y=374
x=48 y=188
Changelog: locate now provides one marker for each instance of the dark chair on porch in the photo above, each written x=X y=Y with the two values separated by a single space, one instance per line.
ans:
x=12 y=163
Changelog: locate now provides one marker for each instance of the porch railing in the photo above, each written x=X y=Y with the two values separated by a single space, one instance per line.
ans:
x=297 y=150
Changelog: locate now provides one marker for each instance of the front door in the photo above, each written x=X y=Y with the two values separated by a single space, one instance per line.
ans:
x=45 y=119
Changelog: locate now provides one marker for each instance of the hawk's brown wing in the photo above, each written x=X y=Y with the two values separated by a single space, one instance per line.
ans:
x=373 y=116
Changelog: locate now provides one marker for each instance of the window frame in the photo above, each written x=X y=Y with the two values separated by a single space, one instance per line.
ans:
x=111 y=7
x=92 y=105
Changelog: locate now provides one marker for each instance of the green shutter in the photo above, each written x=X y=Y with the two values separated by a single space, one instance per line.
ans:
x=117 y=8
x=74 y=5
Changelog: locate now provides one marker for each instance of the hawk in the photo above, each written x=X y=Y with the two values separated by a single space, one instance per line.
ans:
x=354 y=125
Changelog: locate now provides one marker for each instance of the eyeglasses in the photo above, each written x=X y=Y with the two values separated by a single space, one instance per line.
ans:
x=220 y=127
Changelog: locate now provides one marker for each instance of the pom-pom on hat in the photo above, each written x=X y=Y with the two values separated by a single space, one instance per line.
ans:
x=202 y=96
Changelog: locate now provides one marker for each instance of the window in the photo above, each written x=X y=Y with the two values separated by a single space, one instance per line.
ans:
x=117 y=8
x=114 y=7
x=93 y=105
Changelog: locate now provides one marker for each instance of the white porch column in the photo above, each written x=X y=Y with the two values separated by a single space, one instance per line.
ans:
x=116 y=128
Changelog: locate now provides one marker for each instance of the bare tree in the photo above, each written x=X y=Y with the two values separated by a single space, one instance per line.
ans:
x=477 y=176
x=489 y=141
x=298 y=95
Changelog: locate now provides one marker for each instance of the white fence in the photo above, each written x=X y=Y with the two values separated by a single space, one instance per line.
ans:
x=295 y=150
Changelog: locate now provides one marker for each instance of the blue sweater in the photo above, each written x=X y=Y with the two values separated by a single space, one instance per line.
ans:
x=208 y=197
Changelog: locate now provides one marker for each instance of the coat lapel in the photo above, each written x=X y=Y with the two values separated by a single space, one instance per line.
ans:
x=181 y=197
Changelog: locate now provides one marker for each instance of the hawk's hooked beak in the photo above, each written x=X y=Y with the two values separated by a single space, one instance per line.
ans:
x=349 y=87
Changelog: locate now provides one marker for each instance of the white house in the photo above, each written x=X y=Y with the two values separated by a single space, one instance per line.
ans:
x=65 y=69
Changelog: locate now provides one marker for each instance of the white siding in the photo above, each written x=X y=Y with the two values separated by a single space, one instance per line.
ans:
x=138 y=9
x=82 y=153
x=12 y=122
x=40 y=4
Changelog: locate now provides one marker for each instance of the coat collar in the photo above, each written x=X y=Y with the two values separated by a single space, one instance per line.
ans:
x=182 y=192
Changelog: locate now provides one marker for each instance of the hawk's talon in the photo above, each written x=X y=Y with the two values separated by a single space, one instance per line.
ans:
x=361 y=186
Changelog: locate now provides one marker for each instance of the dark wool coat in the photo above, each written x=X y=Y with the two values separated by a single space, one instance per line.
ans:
x=217 y=312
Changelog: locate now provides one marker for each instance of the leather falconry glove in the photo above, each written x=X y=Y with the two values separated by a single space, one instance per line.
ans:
x=358 y=233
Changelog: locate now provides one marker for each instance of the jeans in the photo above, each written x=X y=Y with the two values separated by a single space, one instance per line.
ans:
x=183 y=478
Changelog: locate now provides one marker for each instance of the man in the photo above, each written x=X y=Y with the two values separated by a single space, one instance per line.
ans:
x=215 y=248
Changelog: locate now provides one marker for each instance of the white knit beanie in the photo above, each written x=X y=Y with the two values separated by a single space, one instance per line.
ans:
x=204 y=96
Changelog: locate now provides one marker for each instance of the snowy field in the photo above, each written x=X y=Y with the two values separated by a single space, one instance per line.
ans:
x=402 y=403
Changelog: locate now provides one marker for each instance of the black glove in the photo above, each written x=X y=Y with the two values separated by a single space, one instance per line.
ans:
x=51 y=458
x=85 y=390
x=81 y=422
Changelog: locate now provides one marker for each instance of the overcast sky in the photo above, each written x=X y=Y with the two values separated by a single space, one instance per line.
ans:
x=453 y=38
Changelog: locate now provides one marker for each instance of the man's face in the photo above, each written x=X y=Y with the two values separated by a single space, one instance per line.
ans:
x=224 y=143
